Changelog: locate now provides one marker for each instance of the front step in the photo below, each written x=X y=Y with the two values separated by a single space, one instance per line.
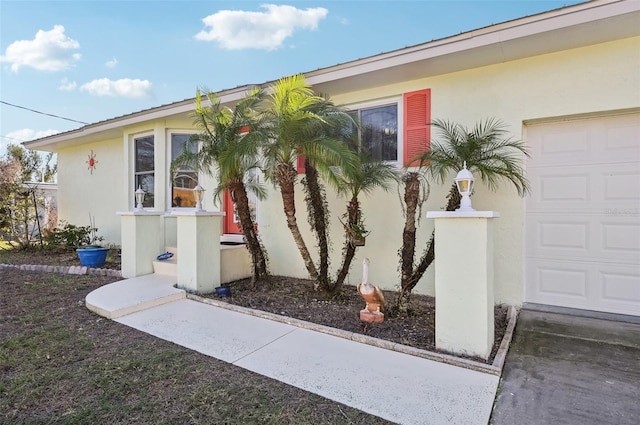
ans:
x=132 y=295
x=167 y=267
x=235 y=263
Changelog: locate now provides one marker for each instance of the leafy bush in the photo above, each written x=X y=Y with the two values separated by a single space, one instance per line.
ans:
x=71 y=236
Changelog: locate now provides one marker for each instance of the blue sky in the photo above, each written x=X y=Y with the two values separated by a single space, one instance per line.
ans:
x=93 y=60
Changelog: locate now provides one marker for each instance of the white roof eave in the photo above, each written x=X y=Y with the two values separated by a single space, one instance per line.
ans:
x=575 y=26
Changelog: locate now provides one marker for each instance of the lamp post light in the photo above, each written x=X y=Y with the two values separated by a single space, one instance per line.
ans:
x=464 y=183
x=198 y=191
x=139 y=194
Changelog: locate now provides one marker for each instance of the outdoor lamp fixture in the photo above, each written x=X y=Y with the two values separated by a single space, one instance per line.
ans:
x=464 y=183
x=139 y=198
x=198 y=191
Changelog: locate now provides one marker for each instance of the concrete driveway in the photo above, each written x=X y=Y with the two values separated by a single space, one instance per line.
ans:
x=570 y=370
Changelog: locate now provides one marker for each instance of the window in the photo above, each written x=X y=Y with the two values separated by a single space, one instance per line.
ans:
x=378 y=135
x=183 y=179
x=379 y=128
x=144 y=169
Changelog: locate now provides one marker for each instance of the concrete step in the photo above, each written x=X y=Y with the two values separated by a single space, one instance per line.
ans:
x=173 y=250
x=132 y=295
x=166 y=267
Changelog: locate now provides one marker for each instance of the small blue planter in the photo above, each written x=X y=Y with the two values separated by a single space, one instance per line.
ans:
x=92 y=257
x=223 y=291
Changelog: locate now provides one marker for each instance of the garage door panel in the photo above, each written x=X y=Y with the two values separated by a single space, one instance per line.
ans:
x=620 y=238
x=614 y=288
x=619 y=289
x=560 y=233
x=585 y=188
x=621 y=139
x=587 y=141
x=618 y=286
x=582 y=221
x=610 y=239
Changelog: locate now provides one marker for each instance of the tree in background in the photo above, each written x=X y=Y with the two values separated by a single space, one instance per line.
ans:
x=22 y=200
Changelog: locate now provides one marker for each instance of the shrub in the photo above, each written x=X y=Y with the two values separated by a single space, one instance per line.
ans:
x=71 y=236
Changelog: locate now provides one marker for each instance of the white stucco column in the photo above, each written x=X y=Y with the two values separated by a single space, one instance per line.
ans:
x=464 y=281
x=199 y=250
x=141 y=241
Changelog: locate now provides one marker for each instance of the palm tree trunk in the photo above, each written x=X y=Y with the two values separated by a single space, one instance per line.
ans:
x=427 y=257
x=317 y=210
x=411 y=198
x=286 y=178
x=407 y=252
x=258 y=258
x=353 y=217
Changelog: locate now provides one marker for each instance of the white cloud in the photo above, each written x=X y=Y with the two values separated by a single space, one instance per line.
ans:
x=24 y=135
x=66 y=85
x=234 y=29
x=27 y=134
x=48 y=51
x=125 y=87
x=112 y=63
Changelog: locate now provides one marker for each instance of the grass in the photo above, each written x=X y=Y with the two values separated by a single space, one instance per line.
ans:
x=62 y=364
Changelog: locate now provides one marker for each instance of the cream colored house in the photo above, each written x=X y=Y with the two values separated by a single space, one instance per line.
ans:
x=566 y=81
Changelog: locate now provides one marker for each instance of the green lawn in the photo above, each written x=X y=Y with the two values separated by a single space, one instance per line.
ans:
x=63 y=364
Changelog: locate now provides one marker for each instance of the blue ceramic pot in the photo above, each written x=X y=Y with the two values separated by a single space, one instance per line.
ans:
x=92 y=257
x=223 y=291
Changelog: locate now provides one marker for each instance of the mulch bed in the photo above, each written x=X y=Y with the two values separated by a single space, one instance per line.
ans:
x=296 y=298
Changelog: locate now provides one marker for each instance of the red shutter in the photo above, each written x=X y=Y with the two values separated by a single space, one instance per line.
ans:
x=417 y=131
x=300 y=164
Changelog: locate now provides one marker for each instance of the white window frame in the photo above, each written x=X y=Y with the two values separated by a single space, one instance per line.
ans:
x=134 y=172
x=387 y=101
x=169 y=155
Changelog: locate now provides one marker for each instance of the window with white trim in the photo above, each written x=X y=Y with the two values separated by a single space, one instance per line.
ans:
x=378 y=133
x=144 y=169
x=183 y=178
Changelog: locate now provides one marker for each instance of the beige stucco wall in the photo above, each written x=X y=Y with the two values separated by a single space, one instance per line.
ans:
x=82 y=194
x=590 y=80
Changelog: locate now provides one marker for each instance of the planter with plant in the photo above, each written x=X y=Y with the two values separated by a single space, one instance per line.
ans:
x=83 y=239
x=357 y=233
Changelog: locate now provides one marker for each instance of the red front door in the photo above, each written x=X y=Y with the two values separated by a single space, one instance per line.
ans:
x=231 y=222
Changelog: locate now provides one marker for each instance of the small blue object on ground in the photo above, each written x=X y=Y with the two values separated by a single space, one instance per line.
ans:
x=223 y=291
x=165 y=256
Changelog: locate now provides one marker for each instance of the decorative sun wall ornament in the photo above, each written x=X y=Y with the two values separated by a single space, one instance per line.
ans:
x=91 y=161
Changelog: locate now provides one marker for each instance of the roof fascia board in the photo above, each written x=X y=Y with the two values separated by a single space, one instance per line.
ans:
x=132 y=119
x=496 y=34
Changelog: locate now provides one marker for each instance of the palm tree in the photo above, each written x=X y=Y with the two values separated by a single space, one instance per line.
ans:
x=229 y=152
x=369 y=176
x=299 y=123
x=488 y=151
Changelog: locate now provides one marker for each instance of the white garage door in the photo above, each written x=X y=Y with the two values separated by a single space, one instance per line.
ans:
x=583 y=217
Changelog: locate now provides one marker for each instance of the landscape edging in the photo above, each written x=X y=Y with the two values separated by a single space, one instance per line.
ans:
x=78 y=270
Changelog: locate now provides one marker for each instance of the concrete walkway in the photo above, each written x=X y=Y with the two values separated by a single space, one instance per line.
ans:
x=565 y=369
x=395 y=386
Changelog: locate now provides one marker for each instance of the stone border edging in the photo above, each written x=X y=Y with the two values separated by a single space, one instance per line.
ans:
x=494 y=369
x=77 y=270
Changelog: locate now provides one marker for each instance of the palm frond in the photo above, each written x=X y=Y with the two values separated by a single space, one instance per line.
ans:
x=487 y=149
